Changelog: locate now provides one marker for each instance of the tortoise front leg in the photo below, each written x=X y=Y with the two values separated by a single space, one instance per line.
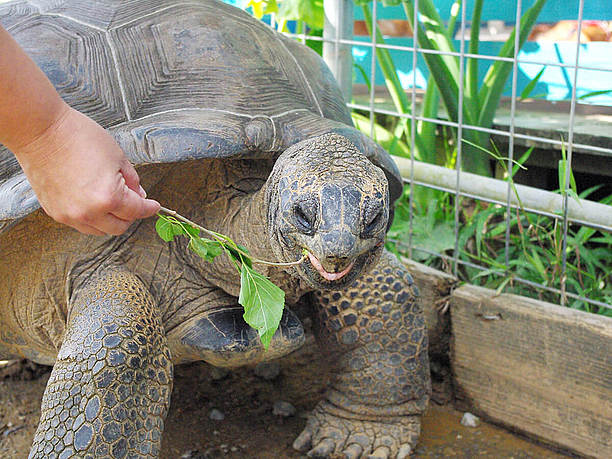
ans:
x=109 y=390
x=382 y=385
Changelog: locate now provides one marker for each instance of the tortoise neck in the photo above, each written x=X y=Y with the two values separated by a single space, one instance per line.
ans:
x=254 y=219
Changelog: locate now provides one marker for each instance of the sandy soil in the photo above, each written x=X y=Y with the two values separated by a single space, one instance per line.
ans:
x=250 y=429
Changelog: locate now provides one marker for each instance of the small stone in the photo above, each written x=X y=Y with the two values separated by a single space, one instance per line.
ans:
x=212 y=453
x=233 y=449
x=268 y=370
x=217 y=373
x=216 y=415
x=469 y=420
x=284 y=409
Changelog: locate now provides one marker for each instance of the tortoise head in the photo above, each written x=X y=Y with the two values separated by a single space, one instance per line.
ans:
x=325 y=197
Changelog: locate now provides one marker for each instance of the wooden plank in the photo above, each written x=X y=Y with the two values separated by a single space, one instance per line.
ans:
x=535 y=367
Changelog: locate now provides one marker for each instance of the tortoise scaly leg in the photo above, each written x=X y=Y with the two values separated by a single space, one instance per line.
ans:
x=109 y=390
x=382 y=385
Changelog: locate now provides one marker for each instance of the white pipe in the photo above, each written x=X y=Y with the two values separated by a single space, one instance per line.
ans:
x=532 y=199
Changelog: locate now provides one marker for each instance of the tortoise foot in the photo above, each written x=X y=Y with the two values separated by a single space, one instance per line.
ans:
x=222 y=338
x=328 y=434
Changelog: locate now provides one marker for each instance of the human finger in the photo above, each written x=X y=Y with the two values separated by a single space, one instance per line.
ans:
x=132 y=180
x=111 y=225
x=132 y=206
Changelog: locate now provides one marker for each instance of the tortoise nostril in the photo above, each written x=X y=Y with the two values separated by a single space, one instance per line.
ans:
x=336 y=262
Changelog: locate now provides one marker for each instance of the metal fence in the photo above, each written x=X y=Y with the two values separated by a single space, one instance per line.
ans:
x=338 y=41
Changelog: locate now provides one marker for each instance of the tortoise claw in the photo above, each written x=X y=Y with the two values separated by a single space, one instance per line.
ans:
x=329 y=435
x=323 y=449
x=304 y=441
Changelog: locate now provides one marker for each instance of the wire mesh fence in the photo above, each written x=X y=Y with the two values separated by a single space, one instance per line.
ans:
x=553 y=244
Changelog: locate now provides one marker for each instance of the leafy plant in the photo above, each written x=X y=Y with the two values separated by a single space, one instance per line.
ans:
x=263 y=301
x=308 y=15
x=479 y=105
x=535 y=249
x=535 y=252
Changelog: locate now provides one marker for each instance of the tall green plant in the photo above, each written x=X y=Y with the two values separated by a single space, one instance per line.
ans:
x=479 y=105
x=308 y=14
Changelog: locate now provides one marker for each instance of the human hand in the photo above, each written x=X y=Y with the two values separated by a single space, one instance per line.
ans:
x=82 y=177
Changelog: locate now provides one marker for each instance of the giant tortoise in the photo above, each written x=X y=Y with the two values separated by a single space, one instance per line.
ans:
x=244 y=131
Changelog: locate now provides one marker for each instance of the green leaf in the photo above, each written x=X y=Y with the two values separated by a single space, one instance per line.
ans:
x=536 y=261
x=262 y=7
x=309 y=11
x=563 y=170
x=521 y=161
x=191 y=230
x=381 y=135
x=205 y=248
x=499 y=290
x=234 y=251
x=436 y=236
x=431 y=34
x=263 y=303
x=392 y=81
x=497 y=75
x=531 y=85
x=167 y=229
x=471 y=73
x=594 y=93
x=364 y=75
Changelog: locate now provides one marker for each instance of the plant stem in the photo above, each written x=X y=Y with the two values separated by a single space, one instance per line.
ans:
x=220 y=238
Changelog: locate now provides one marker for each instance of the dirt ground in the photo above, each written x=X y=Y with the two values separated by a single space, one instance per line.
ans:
x=250 y=429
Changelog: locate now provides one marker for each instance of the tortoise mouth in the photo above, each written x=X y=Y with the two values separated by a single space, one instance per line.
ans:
x=314 y=273
x=327 y=275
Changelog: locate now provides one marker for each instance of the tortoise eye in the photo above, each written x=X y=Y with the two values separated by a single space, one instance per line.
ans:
x=303 y=221
x=371 y=226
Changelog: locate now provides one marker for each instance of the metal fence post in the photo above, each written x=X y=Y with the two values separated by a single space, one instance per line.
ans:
x=339 y=26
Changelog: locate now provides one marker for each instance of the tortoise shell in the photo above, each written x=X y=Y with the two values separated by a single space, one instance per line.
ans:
x=176 y=81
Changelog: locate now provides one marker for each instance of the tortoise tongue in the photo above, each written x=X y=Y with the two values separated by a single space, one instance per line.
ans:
x=329 y=276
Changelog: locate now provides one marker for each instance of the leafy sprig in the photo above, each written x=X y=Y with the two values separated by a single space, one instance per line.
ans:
x=262 y=300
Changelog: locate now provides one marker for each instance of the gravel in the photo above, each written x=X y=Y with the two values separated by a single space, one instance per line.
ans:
x=268 y=370
x=283 y=409
x=216 y=415
x=469 y=420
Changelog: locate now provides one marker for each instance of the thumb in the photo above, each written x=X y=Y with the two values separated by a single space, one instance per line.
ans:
x=131 y=179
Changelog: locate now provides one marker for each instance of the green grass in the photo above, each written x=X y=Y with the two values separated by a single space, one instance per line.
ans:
x=535 y=249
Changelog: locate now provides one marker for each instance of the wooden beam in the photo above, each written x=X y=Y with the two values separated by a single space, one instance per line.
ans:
x=534 y=367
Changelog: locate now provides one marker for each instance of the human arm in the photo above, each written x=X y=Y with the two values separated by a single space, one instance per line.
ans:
x=78 y=172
